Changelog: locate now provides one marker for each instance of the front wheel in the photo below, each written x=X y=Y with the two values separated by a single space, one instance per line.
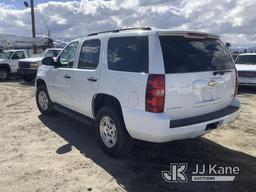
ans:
x=43 y=101
x=111 y=133
x=3 y=74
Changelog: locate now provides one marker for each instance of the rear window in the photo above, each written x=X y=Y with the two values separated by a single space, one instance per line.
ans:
x=185 y=55
x=246 y=59
x=128 y=54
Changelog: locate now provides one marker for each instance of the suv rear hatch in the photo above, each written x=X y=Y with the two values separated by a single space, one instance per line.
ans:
x=200 y=75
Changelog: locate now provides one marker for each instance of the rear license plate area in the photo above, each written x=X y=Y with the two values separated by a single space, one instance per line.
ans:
x=204 y=93
x=213 y=125
x=208 y=94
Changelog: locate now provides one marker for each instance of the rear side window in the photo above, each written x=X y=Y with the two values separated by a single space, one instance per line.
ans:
x=185 y=55
x=128 y=54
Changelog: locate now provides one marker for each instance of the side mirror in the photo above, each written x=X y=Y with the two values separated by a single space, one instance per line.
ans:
x=228 y=45
x=49 y=61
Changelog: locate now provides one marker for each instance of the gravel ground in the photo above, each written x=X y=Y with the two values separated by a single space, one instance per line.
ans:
x=56 y=153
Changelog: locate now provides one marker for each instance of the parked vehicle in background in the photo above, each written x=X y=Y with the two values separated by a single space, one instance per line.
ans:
x=9 y=62
x=156 y=86
x=28 y=67
x=246 y=67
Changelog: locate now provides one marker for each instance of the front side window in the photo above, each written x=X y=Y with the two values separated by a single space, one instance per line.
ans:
x=246 y=59
x=89 y=55
x=128 y=54
x=18 y=55
x=67 y=57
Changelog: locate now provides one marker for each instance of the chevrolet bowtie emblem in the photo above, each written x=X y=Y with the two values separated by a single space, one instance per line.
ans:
x=212 y=83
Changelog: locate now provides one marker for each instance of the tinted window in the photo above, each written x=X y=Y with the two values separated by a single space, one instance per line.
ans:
x=182 y=55
x=90 y=54
x=246 y=59
x=67 y=57
x=128 y=54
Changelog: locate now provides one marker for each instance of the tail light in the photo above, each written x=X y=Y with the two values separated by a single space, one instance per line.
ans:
x=155 y=93
x=236 y=89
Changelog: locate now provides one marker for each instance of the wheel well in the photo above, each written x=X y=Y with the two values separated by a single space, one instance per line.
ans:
x=5 y=66
x=101 y=100
x=40 y=82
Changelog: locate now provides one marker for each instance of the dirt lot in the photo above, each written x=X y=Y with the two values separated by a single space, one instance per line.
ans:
x=59 y=154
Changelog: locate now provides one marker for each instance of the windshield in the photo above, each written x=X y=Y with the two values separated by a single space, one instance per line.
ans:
x=51 y=53
x=6 y=55
x=185 y=55
x=246 y=59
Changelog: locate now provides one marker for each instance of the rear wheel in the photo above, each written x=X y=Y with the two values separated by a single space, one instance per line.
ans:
x=3 y=74
x=28 y=78
x=44 y=103
x=111 y=133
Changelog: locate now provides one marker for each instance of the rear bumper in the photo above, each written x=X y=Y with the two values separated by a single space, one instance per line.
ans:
x=158 y=127
x=27 y=71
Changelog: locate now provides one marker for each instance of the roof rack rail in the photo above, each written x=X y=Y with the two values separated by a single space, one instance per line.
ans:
x=118 y=30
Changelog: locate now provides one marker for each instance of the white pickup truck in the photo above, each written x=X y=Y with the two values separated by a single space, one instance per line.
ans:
x=28 y=66
x=246 y=67
x=9 y=62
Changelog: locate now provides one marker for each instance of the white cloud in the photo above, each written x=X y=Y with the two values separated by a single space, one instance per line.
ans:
x=234 y=20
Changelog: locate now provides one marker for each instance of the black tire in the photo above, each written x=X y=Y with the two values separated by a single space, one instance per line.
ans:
x=3 y=74
x=124 y=142
x=45 y=111
x=28 y=78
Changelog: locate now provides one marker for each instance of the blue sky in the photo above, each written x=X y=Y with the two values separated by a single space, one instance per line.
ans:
x=233 y=20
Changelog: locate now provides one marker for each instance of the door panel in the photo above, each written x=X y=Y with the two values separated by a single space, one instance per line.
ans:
x=86 y=77
x=61 y=86
x=14 y=62
x=63 y=74
x=83 y=90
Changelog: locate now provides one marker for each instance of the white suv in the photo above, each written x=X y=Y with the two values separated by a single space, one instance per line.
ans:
x=144 y=84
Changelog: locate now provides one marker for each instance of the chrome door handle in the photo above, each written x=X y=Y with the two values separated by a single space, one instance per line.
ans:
x=92 y=79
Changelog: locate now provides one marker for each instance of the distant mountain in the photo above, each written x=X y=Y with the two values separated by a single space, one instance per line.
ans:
x=243 y=50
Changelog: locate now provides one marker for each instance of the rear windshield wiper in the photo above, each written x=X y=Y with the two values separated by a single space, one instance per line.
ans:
x=221 y=72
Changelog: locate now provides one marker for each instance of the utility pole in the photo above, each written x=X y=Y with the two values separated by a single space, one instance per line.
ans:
x=33 y=25
x=32 y=22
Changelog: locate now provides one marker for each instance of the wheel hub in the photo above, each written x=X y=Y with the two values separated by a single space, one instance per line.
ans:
x=108 y=131
x=43 y=100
